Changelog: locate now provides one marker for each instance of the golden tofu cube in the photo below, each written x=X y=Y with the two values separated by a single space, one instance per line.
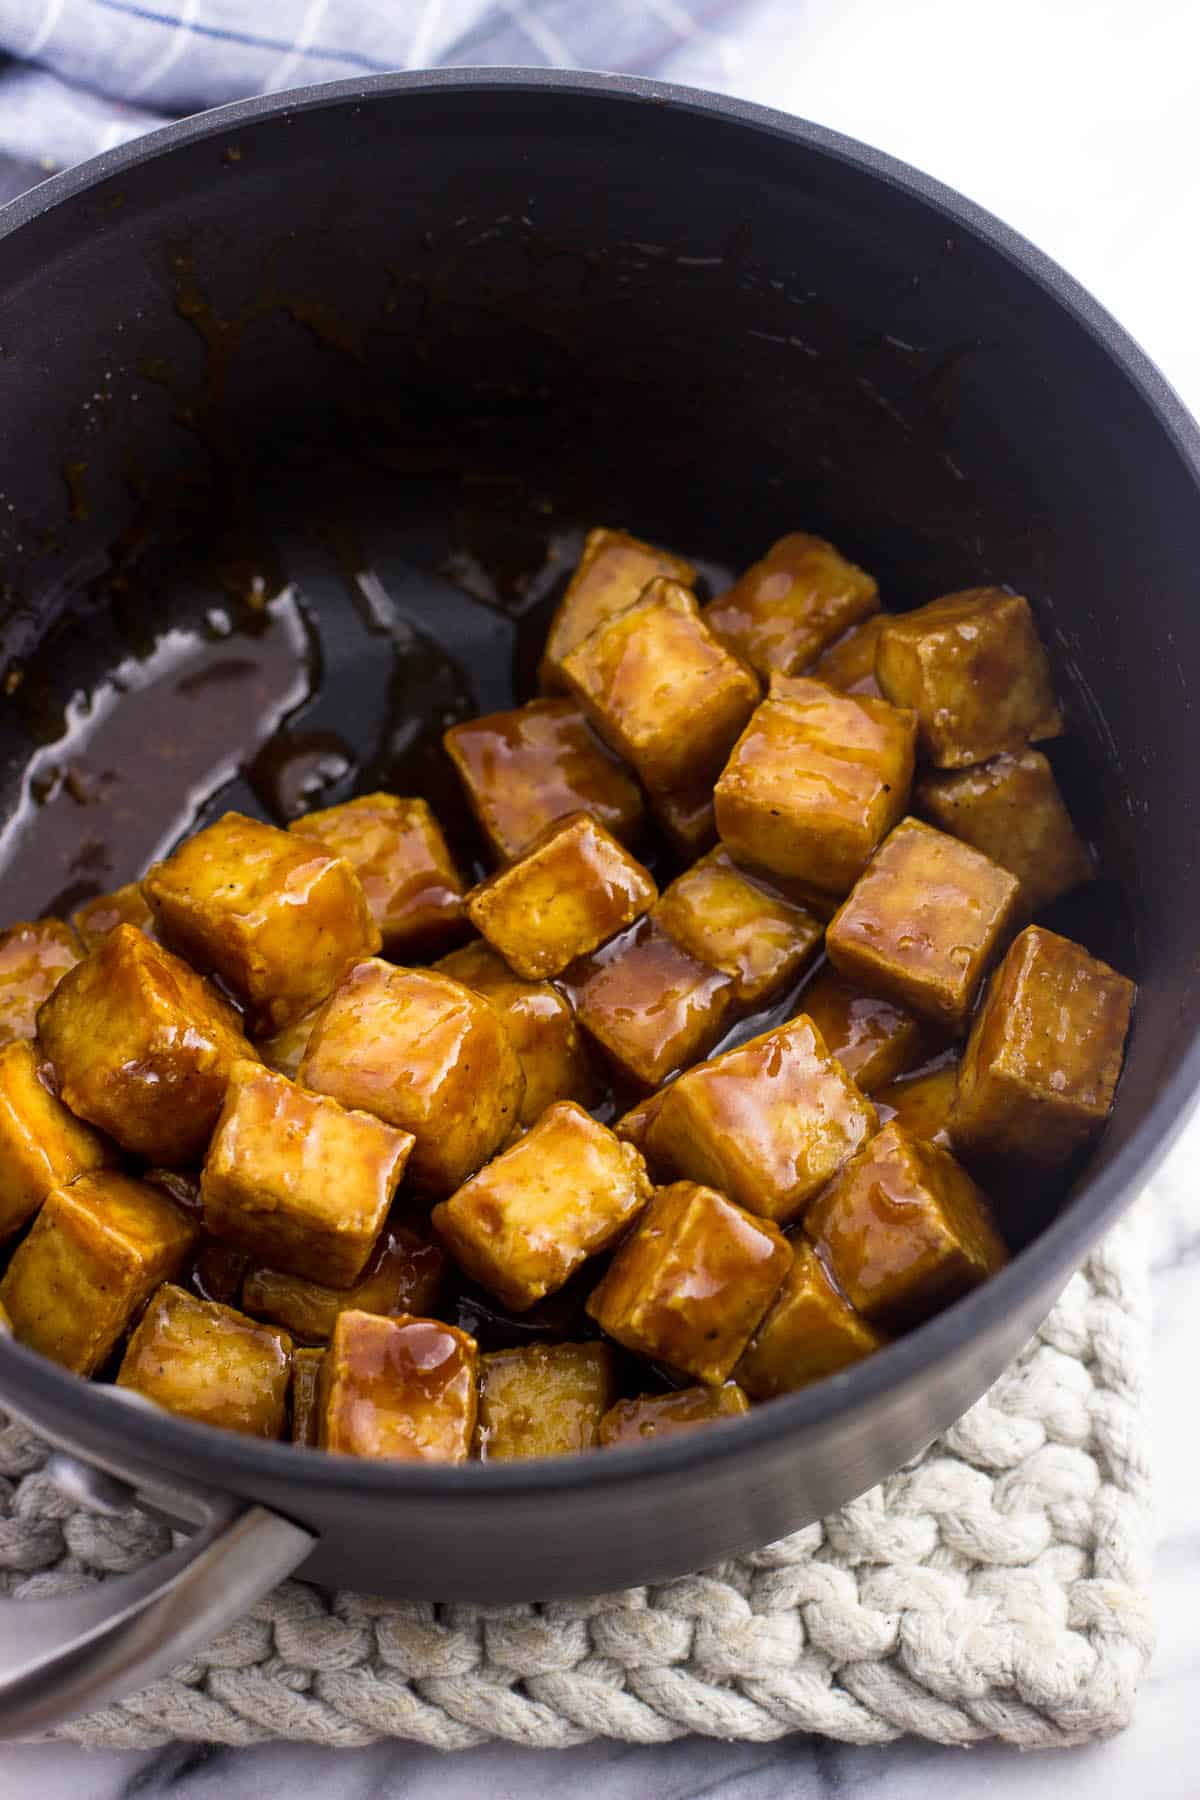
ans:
x=786 y=608
x=688 y=817
x=563 y=1192
x=662 y=1415
x=400 y=1390
x=210 y=1363
x=769 y=1123
x=541 y=1024
x=921 y=1103
x=275 y=915
x=425 y=1054
x=306 y=1385
x=1042 y=1061
x=543 y=1400
x=740 y=925
x=298 y=1180
x=925 y=923
x=613 y=571
x=972 y=668
x=406 y=1274
x=526 y=769
x=1011 y=809
x=125 y=906
x=662 y=690
x=873 y=1040
x=42 y=1145
x=397 y=850
x=33 y=960
x=633 y=1125
x=573 y=889
x=811 y=1331
x=690 y=1284
x=650 y=1006
x=142 y=1046
x=94 y=1255
x=904 y=1230
x=284 y=1050
x=815 y=782
x=849 y=662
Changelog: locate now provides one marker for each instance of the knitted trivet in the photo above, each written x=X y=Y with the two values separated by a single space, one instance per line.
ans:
x=994 y=1588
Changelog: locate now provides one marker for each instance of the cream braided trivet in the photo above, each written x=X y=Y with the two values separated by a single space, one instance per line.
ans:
x=994 y=1588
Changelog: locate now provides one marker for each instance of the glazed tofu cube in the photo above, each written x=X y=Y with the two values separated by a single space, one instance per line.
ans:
x=972 y=668
x=276 y=916
x=1044 y=1055
x=769 y=1123
x=33 y=960
x=873 y=1040
x=42 y=1145
x=849 y=663
x=563 y=1192
x=925 y=923
x=298 y=1180
x=652 y=1416
x=543 y=1400
x=573 y=889
x=815 y=782
x=425 y=1054
x=400 y=1390
x=306 y=1383
x=650 y=1006
x=396 y=848
x=210 y=1363
x=284 y=1050
x=405 y=1274
x=688 y=817
x=126 y=906
x=613 y=571
x=526 y=769
x=787 y=607
x=633 y=1125
x=1011 y=809
x=921 y=1103
x=95 y=1253
x=141 y=1046
x=691 y=1283
x=662 y=690
x=811 y=1331
x=541 y=1024
x=740 y=925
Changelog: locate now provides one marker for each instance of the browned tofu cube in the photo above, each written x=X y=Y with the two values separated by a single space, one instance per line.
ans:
x=690 y=1284
x=1042 y=1062
x=650 y=1006
x=400 y=1390
x=873 y=1040
x=284 y=1050
x=573 y=889
x=93 y=1256
x=396 y=848
x=33 y=960
x=662 y=690
x=1011 y=809
x=849 y=663
x=425 y=1054
x=541 y=1024
x=814 y=783
x=210 y=1363
x=526 y=769
x=306 y=1409
x=405 y=1274
x=42 y=1145
x=811 y=1331
x=278 y=917
x=740 y=925
x=662 y=1415
x=298 y=1180
x=972 y=668
x=141 y=1046
x=126 y=906
x=787 y=607
x=562 y=1193
x=921 y=1103
x=688 y=817
x=904 y=1230
x=612 y=572
x=769 y=1123
x=924 y=923
x=543 y=1400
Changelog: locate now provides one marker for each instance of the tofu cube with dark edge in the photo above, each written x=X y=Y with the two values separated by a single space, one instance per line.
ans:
x=405 y=1274
x=810 y=1332
x=210 y=1363
x=413 y=890
x=873 y=1039
x=42 y=1145
x=650 y=1416
x=1011 y=809
x=543 y=1400
x=739 y=924
x=612 y=572
x=650 y=1005
x=540 y=1022
x=786 y=608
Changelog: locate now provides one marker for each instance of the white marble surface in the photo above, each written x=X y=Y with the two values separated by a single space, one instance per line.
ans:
x=1077 y=121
